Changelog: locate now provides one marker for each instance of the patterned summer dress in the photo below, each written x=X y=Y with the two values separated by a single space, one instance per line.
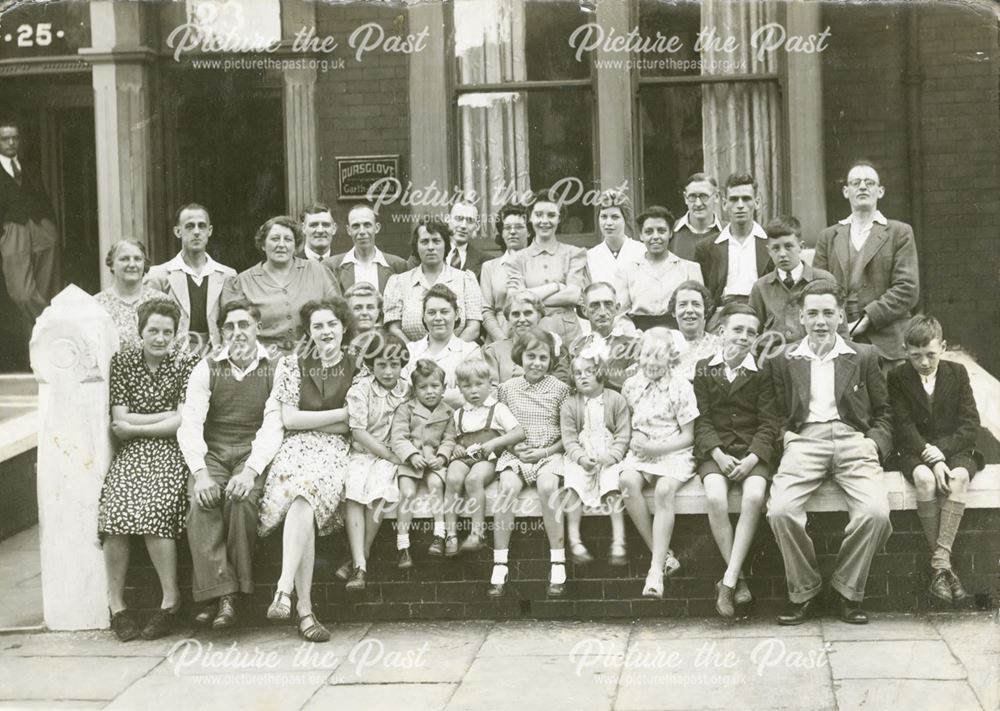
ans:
x=659 y=409
x=536 y=407
x=370 y=407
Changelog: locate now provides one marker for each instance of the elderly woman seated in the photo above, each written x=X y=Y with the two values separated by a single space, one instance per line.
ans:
x=523 y=310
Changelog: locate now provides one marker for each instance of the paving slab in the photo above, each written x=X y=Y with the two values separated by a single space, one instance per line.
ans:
x=255 y=690
x=881 y=694
x=553 y=639
x=534 y=683
x=95 y=643
x=720 y=673
x=716 y=628
x=401 y=653
x=49 y=705
x=85 y=678
x=885 y=628
x=916 y=659
x=975 y=640
x=382 y=697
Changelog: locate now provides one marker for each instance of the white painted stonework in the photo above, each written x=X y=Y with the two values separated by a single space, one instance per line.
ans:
x=71 y=349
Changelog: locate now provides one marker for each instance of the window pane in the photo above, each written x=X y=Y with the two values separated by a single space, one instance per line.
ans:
x=670 y=121
x=512 y=40
x=515 y=142
x=682 y=21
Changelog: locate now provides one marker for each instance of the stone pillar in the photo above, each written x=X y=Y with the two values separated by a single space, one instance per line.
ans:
x=614 y=110
x=805 y=123
x=430 y=103
x=123 y=119
x=301 y=143
x=71 y=349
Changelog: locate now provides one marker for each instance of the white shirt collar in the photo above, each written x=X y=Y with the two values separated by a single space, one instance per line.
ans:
x=490 y=401
x=748 y=362
x=178 y=264
x=379 y=258
x=316 y=255
x=448 y=276
x=684 y=222
x=8 y=164
x=755 y=231
x=796 y=272
x=879 y=218
x=261 y=354
x=840 y=347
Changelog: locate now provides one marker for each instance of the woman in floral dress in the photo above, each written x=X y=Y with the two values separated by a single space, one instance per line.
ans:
x=306 y=480
x=144 y=493
x=128 y=262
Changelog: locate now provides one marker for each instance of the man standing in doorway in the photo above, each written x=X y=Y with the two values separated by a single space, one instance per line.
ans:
x=364 y=261
x=28 y=235
x=318 y=227
x=193 y=279
x=875 y=261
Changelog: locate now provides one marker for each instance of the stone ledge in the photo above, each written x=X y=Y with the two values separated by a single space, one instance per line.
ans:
x=984 y=493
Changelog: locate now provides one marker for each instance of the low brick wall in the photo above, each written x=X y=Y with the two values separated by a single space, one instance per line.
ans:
x=456 y=588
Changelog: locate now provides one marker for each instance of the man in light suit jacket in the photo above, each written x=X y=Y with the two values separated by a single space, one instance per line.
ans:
x=193 y=279
x=833 y=405
x=364 y=261
x=732 y=262
x=875 y=261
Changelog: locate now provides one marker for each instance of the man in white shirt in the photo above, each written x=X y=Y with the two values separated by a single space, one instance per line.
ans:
x=733 y=261
x=875 y=260
x=833 y=405
x=318 y=227
x=700 y=222
x=230 y=430
x=193 y=279
x=616 y=251
x=364 y=261
x=29 y=239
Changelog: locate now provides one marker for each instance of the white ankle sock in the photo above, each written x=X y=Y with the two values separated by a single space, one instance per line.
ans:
x=402 y=541
x=439 y=529
x=499 y=576
x=500 y=556
x=557 y=573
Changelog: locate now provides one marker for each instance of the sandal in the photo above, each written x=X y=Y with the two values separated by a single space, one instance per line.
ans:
x=654 y=585
x=579 y=554
x=618 y=555
x=281 y=606
x=314 y=631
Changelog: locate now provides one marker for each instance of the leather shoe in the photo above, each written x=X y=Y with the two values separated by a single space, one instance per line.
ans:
x=404 y=560
x=358 y=579
x=226 y=617
x=496 y=590
x=850 y=611
x=160 y=624
x=743 y=596
x=725 y=600
x=940 y=586
x=958 y=591
x=556 y=589
x=124 y=626
x=799 y=612
x=207 y=614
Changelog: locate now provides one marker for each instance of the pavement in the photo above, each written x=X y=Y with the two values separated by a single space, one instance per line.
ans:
x=20 y=581
x=939 y=661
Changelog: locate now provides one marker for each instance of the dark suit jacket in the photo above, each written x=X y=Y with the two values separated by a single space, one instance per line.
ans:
x=738 y=417
x=950 y=423
x=714 y=260
x=474 y=259
x=859 y=386
x=27 y=201
x=344 y=273
x=891 y=282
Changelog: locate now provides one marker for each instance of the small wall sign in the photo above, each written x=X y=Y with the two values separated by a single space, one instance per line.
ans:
x=356 y=174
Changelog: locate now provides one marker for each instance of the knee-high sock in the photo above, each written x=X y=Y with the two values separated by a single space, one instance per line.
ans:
x=951 y=518
x=930 y=519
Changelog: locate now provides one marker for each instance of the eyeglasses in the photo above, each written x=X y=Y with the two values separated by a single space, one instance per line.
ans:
x=698 y=197
x=867 y=182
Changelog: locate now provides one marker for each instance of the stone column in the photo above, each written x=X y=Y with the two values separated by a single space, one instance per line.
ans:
x=123 y=119
x=614 y=110
x=430 y=104
x=71 y=349
x=301 y=144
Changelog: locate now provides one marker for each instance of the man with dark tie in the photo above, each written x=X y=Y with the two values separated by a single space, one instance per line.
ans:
x=29 y=238
x=875 y=260
x=364 y=261
x=318 y=228
x=193 y=279
x=464 y=254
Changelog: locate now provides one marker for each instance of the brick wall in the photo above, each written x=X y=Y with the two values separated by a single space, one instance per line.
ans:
x=363 y=109
x=456 y=589
x=866 y=115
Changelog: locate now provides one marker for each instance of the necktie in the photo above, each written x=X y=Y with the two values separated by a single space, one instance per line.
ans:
x=17 y=170
x=456 y=261
x=788 y=282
